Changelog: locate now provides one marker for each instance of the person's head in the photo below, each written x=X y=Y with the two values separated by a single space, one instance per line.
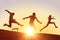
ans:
x=13 y=13
x=34 y=14
x=50 y=15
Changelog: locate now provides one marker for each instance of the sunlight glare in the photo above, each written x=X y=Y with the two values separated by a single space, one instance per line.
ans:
x=30 y=31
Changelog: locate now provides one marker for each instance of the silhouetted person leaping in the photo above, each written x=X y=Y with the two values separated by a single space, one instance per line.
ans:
x=11 y=20
x=32 y=19
x=49 y=22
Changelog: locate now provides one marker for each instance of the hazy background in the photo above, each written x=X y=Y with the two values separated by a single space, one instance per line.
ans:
x=24 y=8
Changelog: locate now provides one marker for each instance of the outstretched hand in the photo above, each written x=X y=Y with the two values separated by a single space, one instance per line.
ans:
x=54 y=18
x=40 y=22
x=23 y=18
x=6 y=10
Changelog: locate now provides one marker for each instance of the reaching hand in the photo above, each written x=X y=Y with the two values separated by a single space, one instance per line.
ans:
x=40 y=22
x=54 y=18
x=23 y=18
x=6 y=10
x=22 y=25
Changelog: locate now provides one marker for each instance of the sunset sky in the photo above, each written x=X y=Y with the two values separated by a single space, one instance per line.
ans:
x=24 y=8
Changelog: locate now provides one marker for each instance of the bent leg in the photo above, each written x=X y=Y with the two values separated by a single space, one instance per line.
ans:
x=54 y=24
x=10 y=24
x=7 y=25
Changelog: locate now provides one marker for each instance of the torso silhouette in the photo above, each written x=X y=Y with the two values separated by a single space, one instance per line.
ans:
x=49 y=19
x=32 y=18
x=11 y=16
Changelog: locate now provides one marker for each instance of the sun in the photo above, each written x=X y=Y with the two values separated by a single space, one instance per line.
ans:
x=30 y=31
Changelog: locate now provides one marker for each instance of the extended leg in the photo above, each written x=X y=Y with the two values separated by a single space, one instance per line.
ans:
x=17 y=23
x=44 y=27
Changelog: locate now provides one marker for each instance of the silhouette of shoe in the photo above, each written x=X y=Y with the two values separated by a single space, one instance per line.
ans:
x=4 y=25
x=40 y=30
x=56 y=27
x=9 y=26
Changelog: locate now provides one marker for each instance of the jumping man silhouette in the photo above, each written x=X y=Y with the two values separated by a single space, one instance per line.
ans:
x=32 y=19
x=11 y=20
x=49 y=22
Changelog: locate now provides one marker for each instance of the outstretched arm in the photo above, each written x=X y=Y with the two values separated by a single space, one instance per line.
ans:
x=38 y=21
x=25 y=17
x=8 y=11
x=53 y=18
